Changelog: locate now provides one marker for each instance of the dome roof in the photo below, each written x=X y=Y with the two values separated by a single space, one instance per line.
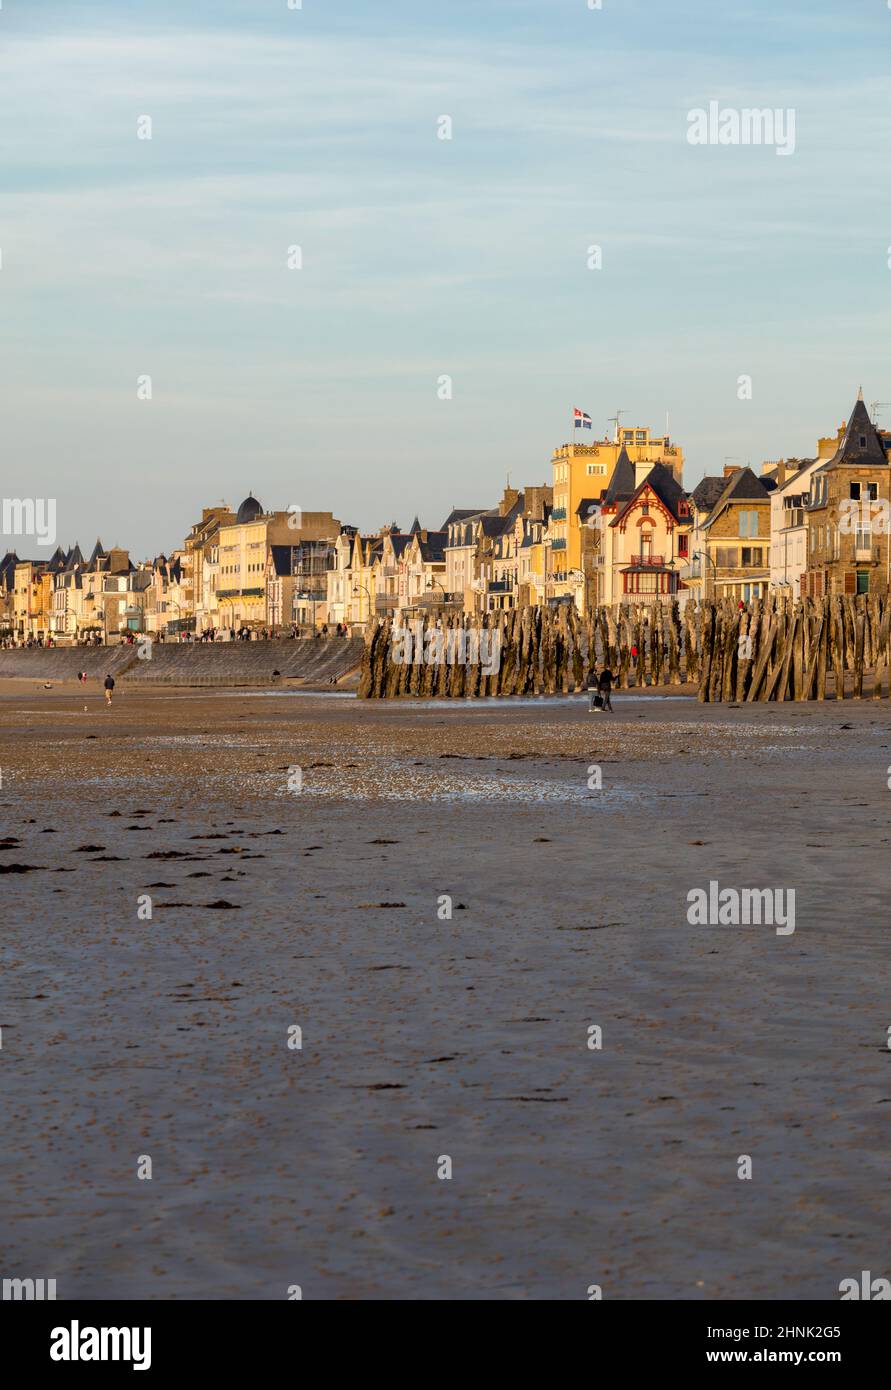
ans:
x=249 y=510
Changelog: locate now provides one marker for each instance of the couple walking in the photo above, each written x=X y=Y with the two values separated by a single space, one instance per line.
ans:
x=599 y=688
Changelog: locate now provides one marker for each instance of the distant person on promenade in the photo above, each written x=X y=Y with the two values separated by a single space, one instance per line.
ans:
x=605 y=685
x=109 y=687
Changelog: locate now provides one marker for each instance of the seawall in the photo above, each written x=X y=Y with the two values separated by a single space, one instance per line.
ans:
x=307 y=661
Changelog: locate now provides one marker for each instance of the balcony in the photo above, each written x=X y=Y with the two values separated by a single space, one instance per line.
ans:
x=559 y=544
x=558 y=514
x=656 y=562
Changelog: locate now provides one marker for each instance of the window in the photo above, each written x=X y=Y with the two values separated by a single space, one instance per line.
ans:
x=863 y=581
x=862 y=446
x=748 y=523
x=727 y=557
x=751 y=556
x=683 y=547
x=854 y=490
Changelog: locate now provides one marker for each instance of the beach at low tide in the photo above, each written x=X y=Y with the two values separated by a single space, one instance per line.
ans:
x=425 y=1036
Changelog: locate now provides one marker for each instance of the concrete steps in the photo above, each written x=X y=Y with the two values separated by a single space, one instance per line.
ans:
x=306 y=661
x=64 y=663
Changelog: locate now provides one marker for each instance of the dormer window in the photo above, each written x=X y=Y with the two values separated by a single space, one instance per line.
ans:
x=863 y=441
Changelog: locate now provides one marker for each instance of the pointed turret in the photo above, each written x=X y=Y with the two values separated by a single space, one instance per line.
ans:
x=622 y=484
x=862 y=442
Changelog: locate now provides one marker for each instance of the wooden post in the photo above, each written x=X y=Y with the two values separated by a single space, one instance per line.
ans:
x=859 y=639
x=765 y=647
x=706 y=648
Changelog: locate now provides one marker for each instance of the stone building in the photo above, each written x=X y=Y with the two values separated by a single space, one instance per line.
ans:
x=244 y=546
x=201 y=562
x=848 y=514
x=730 y=538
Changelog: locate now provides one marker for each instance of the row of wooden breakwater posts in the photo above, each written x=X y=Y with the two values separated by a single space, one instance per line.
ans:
x=775 y=649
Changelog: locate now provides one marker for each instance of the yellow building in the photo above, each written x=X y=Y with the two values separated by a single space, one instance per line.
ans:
x=581 y=473
x=32 y=600
x=363 y=578
x=242 y=563
x=243 y=553
x=201 y=563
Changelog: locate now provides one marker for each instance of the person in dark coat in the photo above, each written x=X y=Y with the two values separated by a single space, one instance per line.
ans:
x=605 y=685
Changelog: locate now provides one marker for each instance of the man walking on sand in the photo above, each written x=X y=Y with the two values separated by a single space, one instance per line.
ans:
x=109 y=687
x=605 y=685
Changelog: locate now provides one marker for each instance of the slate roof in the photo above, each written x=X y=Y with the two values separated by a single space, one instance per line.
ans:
x=7 y=569
x=621 y=484
x=433 y=548
x=707 y=491
x=248 y=511
x=666 y=487
x=741 y=486
x=862 y=443
x=662 y=482
x=461 y=514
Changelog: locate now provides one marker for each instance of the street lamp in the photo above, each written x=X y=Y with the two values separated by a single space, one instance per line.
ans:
x=176 y=606
x=699 y=554
x=356 y=588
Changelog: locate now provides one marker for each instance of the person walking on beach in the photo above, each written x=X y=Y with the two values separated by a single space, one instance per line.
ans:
x=605 y=685
x=109 y=687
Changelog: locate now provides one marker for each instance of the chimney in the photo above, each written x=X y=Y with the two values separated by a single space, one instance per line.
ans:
x=535 y=500
x=781 y=472
x=510 y=496
x=730 y=469
x=641 y=469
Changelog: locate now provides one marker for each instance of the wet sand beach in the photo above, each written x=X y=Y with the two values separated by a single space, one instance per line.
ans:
x=424 y=1036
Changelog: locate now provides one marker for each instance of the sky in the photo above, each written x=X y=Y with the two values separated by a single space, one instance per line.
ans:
x=423 y=258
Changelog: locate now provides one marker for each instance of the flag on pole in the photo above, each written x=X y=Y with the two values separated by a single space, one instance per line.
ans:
x=580 y=420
